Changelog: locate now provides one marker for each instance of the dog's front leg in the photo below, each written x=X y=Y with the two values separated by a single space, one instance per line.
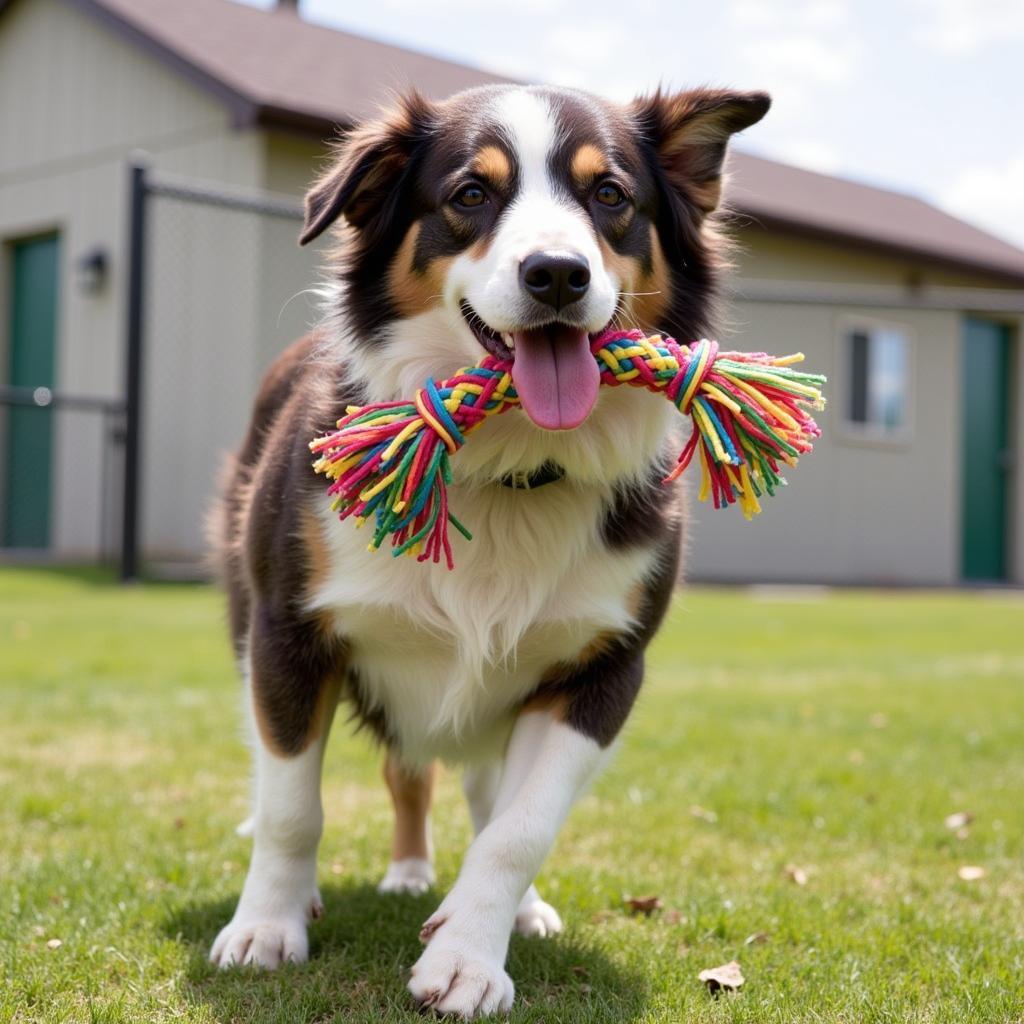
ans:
x=462 y=970
x=292 y=695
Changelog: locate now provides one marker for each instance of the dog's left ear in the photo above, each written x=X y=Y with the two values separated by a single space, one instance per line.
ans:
x=690 y=132
x=370 y=163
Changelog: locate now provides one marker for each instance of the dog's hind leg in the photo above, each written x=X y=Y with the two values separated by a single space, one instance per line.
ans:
x=534 y=916
x=412 y=852
x=293 y=686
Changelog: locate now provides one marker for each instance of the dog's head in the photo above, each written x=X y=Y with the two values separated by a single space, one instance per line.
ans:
x=521 y=221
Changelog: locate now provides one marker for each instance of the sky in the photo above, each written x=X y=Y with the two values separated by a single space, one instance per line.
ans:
x=922 y=96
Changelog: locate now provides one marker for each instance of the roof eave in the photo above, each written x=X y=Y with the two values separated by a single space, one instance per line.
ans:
x=240 y=107
x=749 y=213
x=296 y=122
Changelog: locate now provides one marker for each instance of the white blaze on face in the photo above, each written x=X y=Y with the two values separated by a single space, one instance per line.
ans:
x=539 y=218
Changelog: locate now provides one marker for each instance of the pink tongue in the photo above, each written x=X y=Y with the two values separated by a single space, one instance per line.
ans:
x=555 y=376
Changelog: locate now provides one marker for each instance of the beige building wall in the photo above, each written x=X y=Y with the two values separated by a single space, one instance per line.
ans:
x=854 y=510
x=214 y=296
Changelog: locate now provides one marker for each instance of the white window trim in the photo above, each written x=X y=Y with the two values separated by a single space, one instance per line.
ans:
x=869 y=435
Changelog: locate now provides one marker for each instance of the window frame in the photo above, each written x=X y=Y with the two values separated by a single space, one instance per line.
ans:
x=873 y=434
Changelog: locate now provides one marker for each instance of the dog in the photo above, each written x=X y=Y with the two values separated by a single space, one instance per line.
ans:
x=516 y=221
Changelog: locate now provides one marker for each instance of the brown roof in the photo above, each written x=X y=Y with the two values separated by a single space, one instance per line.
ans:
x=778 y=195
x=273 y=68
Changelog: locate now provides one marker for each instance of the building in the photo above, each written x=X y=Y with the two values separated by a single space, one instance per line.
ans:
x=916 y=481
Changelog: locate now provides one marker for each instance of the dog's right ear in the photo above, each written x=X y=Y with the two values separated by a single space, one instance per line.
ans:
x=369 y=166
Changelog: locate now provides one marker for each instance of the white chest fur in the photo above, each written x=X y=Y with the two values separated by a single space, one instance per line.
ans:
x=447 y=655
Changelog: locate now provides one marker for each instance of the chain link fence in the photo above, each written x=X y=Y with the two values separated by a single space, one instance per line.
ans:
x=44 y=433
x=215 y=288
x=226 y=289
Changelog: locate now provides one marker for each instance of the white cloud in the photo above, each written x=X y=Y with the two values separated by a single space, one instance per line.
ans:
x=966 y=26
x=992 y=196
x=811 y=154
x=795 y=49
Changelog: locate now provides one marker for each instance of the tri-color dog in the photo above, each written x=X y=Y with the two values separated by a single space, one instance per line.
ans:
x=519 y=221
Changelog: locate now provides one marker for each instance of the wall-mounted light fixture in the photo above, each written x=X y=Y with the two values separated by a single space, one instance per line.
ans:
x=91 y=271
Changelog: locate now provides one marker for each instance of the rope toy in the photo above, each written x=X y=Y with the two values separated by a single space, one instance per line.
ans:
x=391 y=461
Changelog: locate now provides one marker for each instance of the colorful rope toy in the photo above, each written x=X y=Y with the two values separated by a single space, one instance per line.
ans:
x=391 y=461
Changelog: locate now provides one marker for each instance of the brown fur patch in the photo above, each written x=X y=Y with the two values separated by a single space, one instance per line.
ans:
x=302 y=733
x=415 y=291
x=492 y=165
x=654 y=290
x=625 y=268
x=588 y=163
x=555 y=703
x=411 y=793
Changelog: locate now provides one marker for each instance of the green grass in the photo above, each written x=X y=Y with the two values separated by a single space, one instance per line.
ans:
x=834 y=733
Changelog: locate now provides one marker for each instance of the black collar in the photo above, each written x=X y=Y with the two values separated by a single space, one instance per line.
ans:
x=548 y=473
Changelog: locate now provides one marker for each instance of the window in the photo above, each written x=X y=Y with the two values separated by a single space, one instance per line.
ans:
x=876 y=365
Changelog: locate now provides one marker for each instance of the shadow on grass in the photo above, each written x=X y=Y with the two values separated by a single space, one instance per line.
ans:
x=360 y=955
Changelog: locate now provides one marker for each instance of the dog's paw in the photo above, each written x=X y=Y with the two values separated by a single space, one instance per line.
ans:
x=463 y=983
x=266 y=943
x=537 y=918
x=413 y=874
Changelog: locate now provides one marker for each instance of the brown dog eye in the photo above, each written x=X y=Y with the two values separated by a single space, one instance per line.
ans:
x=609 y=195
x=470 y=196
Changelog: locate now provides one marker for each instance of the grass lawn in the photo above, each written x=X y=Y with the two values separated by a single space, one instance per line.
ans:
x=831 y=732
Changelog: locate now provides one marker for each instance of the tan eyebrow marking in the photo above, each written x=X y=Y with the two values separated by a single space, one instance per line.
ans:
x=588 y=163
x=493 y=165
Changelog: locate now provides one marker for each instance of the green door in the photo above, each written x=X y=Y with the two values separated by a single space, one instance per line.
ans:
x=31 y=356
x=986 y=390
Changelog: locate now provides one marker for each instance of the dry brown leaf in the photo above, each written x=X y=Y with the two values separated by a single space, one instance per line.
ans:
x=645 y=905
x=757 y=939
x=673 y=916
x=728 y=977
x=579 y=970
x=179 y=823
x=704 y=814
x=971 y=873
x=54 y=944
x=795 y=874
x=959 y=820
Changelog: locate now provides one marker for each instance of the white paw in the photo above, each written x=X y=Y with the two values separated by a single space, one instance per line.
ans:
x=537 y=918
x=465 y=983
x=267 y=943
x=266 y=940
x=413 y=874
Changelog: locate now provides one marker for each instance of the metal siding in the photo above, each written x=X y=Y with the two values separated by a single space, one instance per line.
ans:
x=80 y=101
x=854 y=511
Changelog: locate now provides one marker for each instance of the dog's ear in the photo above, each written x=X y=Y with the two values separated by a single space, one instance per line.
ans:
x=690 y=131
x=367 y=172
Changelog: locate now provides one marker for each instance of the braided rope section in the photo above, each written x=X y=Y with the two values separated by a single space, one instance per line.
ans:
x=748 y=409
x=390 y=462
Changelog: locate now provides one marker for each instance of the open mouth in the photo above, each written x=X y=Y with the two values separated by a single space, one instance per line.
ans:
x=555 y=375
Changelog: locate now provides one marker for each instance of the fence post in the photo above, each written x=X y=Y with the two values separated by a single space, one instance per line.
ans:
x=133 y=372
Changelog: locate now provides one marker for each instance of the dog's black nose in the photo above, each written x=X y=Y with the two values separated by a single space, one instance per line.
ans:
x=555 y=278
